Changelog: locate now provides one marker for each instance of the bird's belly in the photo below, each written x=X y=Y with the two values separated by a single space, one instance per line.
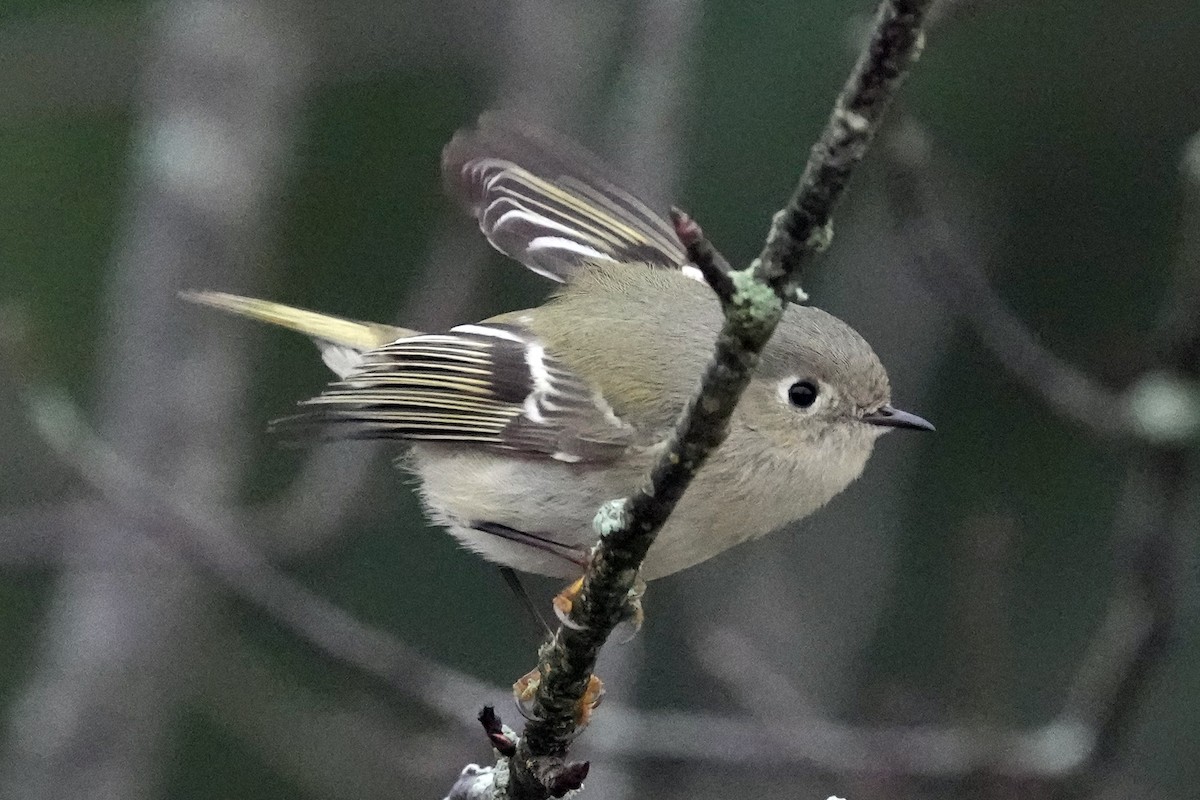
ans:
x=764 y=495
x=699 y=530
x=557 y=501
x=552 y=500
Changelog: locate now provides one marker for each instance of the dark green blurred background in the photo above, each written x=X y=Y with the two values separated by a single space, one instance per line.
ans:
x=1060 y=129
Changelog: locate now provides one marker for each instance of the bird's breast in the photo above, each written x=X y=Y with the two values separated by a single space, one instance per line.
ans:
x=734 y=499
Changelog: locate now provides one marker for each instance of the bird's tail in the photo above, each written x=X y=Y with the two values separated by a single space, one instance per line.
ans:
x=341 y=341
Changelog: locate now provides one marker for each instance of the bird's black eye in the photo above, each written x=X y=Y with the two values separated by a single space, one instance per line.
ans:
x=802 y=394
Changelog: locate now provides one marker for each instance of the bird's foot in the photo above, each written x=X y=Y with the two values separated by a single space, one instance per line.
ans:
x=590 y=701
x=632 y=616
x=525 y=690
x=564 y=601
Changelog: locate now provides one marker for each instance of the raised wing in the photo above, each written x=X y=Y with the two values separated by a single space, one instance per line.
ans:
x=550 y=204
x=488 y=385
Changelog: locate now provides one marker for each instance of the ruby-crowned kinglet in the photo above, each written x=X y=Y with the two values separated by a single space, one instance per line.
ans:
x=521 y=426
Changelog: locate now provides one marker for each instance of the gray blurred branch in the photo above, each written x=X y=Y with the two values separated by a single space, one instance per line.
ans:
x=204 y=536
x=81 y=58
x=801 y=739
x=653 y=95
x=343 y=744
x=952 y=269
x=216 y=110
x=1157 y=418
x=1157 y=518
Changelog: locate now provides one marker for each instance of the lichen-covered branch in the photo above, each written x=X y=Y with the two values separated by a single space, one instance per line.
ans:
x=753 y=303
x=222 y=85
x=803 y=228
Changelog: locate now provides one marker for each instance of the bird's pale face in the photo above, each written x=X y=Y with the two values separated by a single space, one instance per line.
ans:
x=811 y=421
x=818 y=402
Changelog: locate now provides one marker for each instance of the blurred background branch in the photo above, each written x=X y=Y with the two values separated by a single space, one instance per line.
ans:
x=953 y=271
x=955 y=626
x=217 y=117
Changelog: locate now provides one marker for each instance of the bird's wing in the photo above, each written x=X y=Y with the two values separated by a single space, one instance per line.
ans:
x=490 y=385
x=549 y=203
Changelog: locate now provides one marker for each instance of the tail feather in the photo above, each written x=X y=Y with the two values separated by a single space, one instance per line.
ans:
x=341 y=341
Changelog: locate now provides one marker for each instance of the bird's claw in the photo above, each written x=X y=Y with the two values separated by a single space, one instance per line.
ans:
x=632 y=615
x=525 y=690
x=564 y=601
x=590 y=701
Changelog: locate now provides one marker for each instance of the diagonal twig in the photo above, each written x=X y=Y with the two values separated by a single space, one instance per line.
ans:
x=628 y=527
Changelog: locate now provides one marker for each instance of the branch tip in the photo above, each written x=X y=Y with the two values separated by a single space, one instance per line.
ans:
x=497 y=735
x=702 y=255
x=752 y=301
x=801 y=230
x=568 y=778
x=686 y=228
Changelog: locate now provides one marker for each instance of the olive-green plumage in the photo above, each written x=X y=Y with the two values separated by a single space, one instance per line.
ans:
x=523 y=425
x=779 y=463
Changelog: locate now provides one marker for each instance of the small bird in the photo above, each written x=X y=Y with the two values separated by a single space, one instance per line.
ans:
x=521 y=426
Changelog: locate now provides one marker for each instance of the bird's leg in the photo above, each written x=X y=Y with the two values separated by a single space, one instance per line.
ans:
x=565 y=599
x=525 y=689
x=514 y=582
x=570 y=553
x=590 y=701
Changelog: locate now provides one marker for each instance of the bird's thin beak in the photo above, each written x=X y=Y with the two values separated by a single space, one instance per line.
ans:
x=890 y=417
